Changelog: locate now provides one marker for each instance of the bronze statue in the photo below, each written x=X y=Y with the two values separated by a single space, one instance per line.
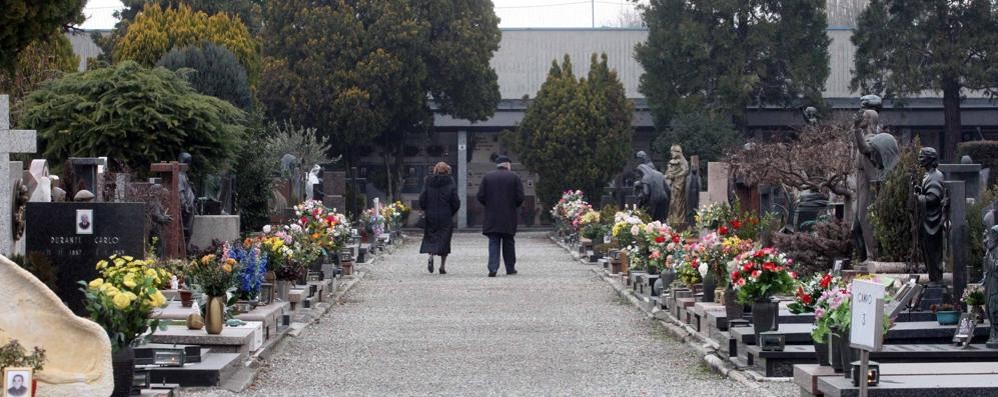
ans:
x=676 y=174
x=643 y=158
x=157 y=215
x=187 y=199
x=878 y=156
x=990 y=283
x=931 y=214
x=653 y=193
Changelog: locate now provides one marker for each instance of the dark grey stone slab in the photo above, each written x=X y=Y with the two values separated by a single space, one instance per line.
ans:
x=915 y=386
x=779 y=364
x=211 y=371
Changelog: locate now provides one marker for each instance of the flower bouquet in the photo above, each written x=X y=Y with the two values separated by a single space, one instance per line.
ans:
x=808 y=292
x=760 y=274
x=687 y=265
x=324 y=227
x=215 y=273
x=122 y=298
x=252 y=267
x=662 y=241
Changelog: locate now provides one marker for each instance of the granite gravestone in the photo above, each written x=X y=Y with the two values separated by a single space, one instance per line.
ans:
x=15 y=141
x=74 y=236
x=83 y=175
x=970 y=174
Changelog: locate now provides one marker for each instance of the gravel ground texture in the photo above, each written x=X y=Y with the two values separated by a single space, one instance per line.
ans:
x=554 y=329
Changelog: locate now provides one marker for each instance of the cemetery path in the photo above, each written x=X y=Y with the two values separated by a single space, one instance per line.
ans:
x=553 y=329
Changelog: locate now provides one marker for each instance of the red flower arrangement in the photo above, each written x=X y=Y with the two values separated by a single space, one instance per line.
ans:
x=761 y=274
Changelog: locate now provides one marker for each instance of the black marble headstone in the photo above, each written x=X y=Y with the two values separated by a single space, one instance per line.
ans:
x=74 y=245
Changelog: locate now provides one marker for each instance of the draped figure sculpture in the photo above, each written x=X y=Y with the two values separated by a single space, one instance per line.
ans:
x=653 y=192
x=931 y=214
x=878 y=154
x=990 y=283
x=676 y=174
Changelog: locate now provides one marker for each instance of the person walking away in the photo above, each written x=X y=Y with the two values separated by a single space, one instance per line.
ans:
x=501 y=192
x=439 y=203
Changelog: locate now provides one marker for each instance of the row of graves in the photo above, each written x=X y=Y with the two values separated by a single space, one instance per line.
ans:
x=907 y=330
x=119 y=286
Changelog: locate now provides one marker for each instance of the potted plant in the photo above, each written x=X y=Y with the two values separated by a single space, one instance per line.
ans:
x=973 y=297
x=946 y=314
x=806 y=300
x=832 y=317
x=214 y=274
x=760 y=274
x=121 y=300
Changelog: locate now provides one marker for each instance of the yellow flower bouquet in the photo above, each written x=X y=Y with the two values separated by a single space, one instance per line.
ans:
x=123 y=297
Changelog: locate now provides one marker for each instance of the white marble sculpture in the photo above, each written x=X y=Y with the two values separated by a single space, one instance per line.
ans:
x=77 y=350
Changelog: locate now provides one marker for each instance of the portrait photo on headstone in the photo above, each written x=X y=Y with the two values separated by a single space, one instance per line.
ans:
x=17 y=382
x=85 y=221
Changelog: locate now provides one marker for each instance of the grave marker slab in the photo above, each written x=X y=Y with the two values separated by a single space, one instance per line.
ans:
x=74 y=244
x=14 y=141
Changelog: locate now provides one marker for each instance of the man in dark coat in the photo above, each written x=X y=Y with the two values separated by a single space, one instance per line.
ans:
x=501 y=192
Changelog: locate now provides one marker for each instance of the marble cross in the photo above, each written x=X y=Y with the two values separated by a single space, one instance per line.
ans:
x=11 y=141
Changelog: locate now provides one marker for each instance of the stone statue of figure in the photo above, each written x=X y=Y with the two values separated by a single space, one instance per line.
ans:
x=692 y=192
x=653 y=193
x=990 y=283
x=676 y=174
x=931 y=214
x=187 y=198
x=311 y=181
x=810 y=116
x=878 y=156
x=643 y=158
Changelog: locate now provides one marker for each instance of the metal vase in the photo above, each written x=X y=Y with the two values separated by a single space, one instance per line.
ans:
x=765 y=316
x=214 y=318
x=123 y=367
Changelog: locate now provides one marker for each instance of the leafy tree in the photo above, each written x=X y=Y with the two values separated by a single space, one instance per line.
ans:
x=704 y=133
x=23 y=22
x=133 y=115
x=253 y=183
x=359 y=70
x=249 y=11
x=906 y=47
x=577 y=132
x=155 y=31
x=309 y=148
x=214 y=71
x=891 y=212
x=726 y=55
x=41 y=60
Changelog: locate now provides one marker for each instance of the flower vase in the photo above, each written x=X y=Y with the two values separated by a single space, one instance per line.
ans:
x=834 y=350
x=668 y=276
x=821 y=351
x=732 y=308
x=847 y=353
x=186 y=298
x=214 y=318
x=709 y=285
x=123 y=367
x=765 y=315
x=283 y=289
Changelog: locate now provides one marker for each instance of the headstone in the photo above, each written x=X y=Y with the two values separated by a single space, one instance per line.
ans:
x=15 y=141
x=36 y=178
x=74 y=236
x=227 y=194
x=958 y=240
x=334 y=189
x=718 y=178
x=970 y=174
x=174 y=246
x=83 y=175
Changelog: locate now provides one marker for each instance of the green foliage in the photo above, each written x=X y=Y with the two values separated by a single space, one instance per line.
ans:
x=904 y=47
x=249 y=11
x=133 y=115
x=13 y=355
x=41 y=60
x=359 y=70
x=23 y=22
x=155 y=31
x=984 y=153
x=303 y=143
x=576 y=133
x=728 y=54
x=215 y=71
x=891 y=211
x=703 y=133
x=975 y=232
x=253 y=184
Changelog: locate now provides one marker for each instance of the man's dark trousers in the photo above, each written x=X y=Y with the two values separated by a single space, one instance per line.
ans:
x=508 y=252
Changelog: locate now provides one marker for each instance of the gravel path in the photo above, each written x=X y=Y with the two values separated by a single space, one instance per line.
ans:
x=553 y=329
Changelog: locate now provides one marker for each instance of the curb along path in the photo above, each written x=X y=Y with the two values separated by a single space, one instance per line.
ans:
x=553 y=329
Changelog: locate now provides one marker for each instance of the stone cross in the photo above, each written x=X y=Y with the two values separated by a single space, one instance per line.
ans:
x=173 y=246
x=13 y=141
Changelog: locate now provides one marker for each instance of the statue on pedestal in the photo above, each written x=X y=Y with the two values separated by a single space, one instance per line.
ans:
x=931 y=213
x=653 y=193
x=676 y=174
x=187 y=198
x=878 y=156
x=990 y=283
x=643 y=158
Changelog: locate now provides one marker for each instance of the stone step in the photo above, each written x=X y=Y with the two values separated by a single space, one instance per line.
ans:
x=807 y=376
x=213 y=369
x=242 y=339
x=915 y=386
x=781 y=363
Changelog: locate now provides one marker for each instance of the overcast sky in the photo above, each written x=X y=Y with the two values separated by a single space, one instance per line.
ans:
x=514 y=13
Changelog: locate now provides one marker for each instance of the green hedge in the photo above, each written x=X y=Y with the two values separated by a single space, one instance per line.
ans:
x=984 y=153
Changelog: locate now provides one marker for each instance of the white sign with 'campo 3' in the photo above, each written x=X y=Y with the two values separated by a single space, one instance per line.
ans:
x=867 y=326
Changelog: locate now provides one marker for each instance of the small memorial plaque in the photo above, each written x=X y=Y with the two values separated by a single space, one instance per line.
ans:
x=867 y=330
x=965 y=329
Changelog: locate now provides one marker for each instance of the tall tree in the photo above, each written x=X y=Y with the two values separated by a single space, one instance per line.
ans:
x=41 y=60
x=577 y=132
x=366 y=69
x=22 y=22
x=906 y=47
x=212 y=70
x=155 y=31
x=727 y=55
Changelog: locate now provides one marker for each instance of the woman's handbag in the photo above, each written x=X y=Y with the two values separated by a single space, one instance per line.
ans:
x=421 y=222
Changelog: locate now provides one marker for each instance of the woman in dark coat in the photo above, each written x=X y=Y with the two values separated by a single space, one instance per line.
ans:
x=439 y=203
